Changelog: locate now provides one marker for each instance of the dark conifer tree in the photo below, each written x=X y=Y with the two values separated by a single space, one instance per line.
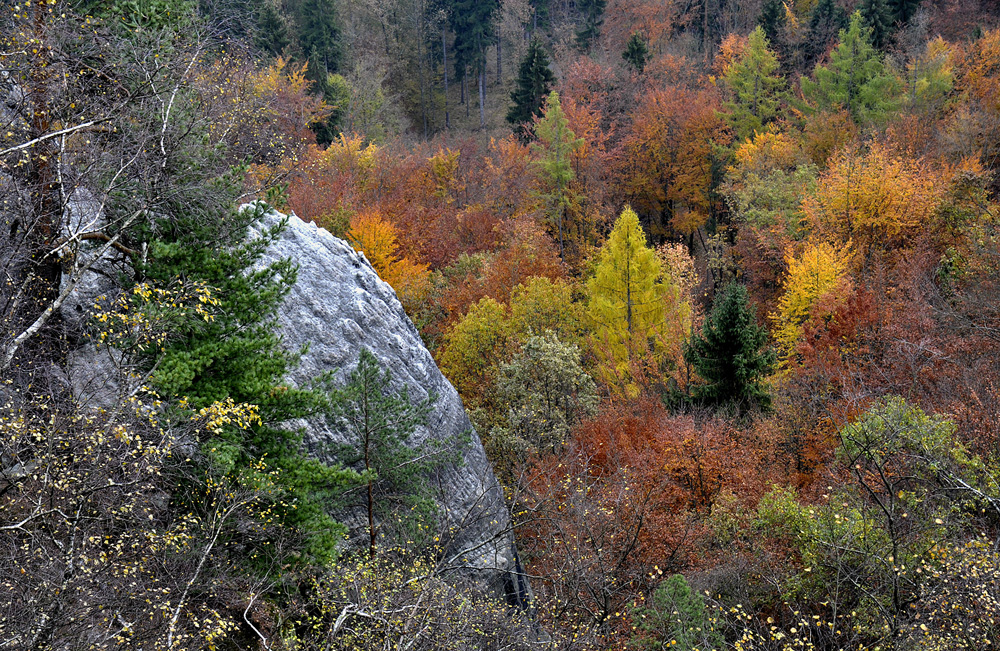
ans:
x=827 y=20
x=540 y=14
x=878 y=18
x=593 y=17
x=730 y=354
x=534 y=81
x=903 y=10
x=636 y=52
x=772 y=21
x=319 y=37
x=473 y=25
x=271 y=33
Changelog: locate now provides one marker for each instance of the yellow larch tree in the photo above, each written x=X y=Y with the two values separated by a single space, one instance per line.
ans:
x=627 y=308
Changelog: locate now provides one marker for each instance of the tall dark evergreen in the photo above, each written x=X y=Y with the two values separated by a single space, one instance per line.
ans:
x=773 y=21
x=540 y=14
x=271 y=34
x=472 y=21
x=238 y=356
x=592 y=17
x=319 y=36
x=636 y=52
x=903 y=10
x=534 y=81
x=827 y=20
x=878 y=18
x=731 y=355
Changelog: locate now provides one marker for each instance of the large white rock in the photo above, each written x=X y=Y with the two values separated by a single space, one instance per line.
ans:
x=339 y=306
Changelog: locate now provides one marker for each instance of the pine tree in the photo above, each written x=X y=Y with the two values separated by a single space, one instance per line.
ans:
x=856 y=79
x=730 y=354
x=626 y=304
x=238 y=356
x=636 y=52
x=826 y=21
x=319 y=37
x=676 y=613
x=593 y=18
x=557 y=142
x=378 y=422
x=534 y=80
x=756 y=88
x=271 y=34
x=878 y=18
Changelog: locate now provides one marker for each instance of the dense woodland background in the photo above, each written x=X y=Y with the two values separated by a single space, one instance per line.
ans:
x=717 y=282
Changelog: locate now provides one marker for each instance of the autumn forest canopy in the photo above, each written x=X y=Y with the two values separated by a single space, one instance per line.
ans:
x=717 y=281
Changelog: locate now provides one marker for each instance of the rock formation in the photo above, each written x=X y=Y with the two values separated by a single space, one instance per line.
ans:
x=339 y=306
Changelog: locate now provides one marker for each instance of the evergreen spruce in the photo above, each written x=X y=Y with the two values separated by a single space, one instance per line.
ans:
x=876 y=15
x=772 y=21
x=903 y=10
x=730 y=354
x=473 y=23
x=826 y=21
x=271 y=34
x=534 y=80
x=319 y=37
x=636 y=52
x=593 y=17
x=541 y=14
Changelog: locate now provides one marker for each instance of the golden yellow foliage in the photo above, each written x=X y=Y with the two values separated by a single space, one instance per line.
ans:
x=766 y=152
x=876 y=199
x=377 y=239
x=816 y=272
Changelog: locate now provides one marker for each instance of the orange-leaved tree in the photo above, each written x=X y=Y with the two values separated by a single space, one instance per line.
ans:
x=875 y=199
x=376 y=238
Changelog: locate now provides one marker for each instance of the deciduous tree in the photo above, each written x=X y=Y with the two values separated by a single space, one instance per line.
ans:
x=556 y=146
x=817 y=271
x=756 y=88
x=627 y=300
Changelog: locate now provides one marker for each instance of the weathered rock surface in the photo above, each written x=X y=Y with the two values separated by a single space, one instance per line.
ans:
x=340 y=306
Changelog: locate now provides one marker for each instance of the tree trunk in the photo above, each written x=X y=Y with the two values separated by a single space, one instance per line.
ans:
x=482 y=98
x=420 y=68
x=499 y=57
x=444 y=55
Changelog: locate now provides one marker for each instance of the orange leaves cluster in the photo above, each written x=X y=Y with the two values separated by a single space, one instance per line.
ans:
x=376 y=238
x=665 y=166
x=875 y=199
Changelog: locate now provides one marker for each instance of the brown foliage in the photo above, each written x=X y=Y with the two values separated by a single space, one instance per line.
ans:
x=665 y=166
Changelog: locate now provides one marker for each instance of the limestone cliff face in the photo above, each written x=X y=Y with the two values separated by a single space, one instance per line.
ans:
x=339 y=306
